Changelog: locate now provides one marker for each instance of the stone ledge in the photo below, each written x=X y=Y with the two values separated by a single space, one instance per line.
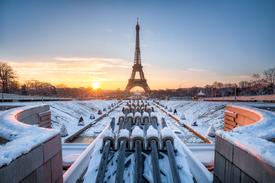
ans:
x=20 y=168
x=52 y=147
x=43 y=173
x=56 y=167
x=47 y=121
x=219 y=167
x=224 y=148
x=253 y=167
x=228 y=126
x=30 y=166
x=232 y=173
x=44 y=113
x=43 y=118
x=231 y=114
x=232 y=123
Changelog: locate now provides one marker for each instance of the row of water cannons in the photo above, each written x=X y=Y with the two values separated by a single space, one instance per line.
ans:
x=211 y=131
x=138 y=110
x=138 y=133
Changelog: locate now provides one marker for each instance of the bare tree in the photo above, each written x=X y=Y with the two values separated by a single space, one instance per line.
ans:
x=6 y=74
x=269 y=76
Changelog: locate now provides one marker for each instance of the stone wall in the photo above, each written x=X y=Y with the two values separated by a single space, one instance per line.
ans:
x=233 y=164
x=39 y=115
x=42 y=163
x=244 y=157
x=237 y=116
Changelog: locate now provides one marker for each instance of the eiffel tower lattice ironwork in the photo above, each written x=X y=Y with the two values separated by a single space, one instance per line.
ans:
x=137 y=67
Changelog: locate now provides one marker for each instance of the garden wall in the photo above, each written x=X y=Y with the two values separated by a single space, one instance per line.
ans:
x=43 y=161
x=245 y=154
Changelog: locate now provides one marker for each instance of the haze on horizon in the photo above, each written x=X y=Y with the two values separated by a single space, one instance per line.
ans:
x=187 y=43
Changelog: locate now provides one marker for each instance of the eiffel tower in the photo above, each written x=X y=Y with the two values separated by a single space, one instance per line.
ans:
x=137 y=67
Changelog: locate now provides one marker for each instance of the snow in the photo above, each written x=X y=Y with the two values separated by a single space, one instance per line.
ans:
x=121 y=114
x=63 y=131
x=182 y=116
x=70 y=158
x=153 y=115
x=94 y=163
x=207 y=114
x=211 y=131
x=108 y=133
x=201 y=93
x=254 y=138
x=137 y=114
x=145 y=114
x=123 y=133
x=137 y=132
x=151 y=132
x=166 y=132
x=233 y=113
x=204 y=113
x=22 y=137
x=186 y=160
x=68 y=113
x=181 y=159
x=130 y=115
x=204 y=159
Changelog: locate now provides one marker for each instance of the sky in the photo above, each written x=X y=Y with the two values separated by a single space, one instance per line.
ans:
x=183 y=43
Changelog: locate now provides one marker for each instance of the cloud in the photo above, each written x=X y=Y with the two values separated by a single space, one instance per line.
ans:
x=39 y=68
x=69 y=68
x=198 y=70
x=97 y=62
x=79 y=59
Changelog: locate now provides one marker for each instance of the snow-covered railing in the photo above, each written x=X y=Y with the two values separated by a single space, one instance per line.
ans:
x=30 y=149
x=81 y=164
x=247 y=153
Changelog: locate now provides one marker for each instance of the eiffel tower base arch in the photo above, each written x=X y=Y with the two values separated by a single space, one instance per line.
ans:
x=134 y=82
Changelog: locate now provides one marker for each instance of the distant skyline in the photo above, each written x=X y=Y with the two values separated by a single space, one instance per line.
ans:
x=183 y=43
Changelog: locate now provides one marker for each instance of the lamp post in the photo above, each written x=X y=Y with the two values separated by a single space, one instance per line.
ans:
x=212 y=92
x=235 y=91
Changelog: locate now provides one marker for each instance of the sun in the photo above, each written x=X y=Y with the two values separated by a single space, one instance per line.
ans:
x=95 y=86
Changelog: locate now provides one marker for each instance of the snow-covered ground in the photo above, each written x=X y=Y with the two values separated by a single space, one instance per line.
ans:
x=69 y=113
x=204 y=113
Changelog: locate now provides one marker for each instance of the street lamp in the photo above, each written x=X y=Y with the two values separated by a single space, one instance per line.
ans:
x=235 y=91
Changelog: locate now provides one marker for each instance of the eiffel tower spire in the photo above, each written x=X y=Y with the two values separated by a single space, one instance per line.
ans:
x=137 y=67
x=137 y=50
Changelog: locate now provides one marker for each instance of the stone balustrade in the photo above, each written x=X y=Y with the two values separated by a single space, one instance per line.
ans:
x=245 y=151
x=237 y=116
x=40 y=115
x=30 y=153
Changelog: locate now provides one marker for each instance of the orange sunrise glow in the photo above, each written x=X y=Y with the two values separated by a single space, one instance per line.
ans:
x=95 y=85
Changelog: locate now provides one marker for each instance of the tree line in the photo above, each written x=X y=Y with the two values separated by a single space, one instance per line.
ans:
x=10 y=84
x=259 y=84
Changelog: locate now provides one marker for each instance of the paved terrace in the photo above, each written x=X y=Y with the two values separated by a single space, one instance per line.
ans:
x=32 y=153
